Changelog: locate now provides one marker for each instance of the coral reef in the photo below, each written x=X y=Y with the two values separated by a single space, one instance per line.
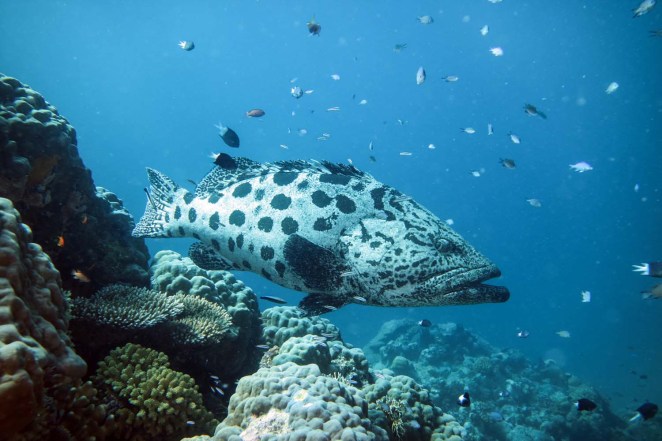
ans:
x=152 y=401
x=283 y=322
x=512 y=398
x=202 y=322
x=173 y=274
x=41 y=172
x=36 y=355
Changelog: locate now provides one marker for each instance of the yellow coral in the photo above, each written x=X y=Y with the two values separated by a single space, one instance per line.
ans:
x=155 y=402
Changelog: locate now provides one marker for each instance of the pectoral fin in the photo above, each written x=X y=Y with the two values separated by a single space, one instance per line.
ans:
x=206 y=258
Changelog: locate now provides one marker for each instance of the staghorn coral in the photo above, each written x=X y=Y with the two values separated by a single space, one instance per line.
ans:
x=36 y=355
x=152 y=401
x=127 y=307
x=44 y=176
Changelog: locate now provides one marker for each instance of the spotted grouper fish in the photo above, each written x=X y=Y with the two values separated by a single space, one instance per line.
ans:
x=326 y=229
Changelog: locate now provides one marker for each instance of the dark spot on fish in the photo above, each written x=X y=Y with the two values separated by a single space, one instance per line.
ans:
x=284 y=178
x=265 y=274
x=237 y=217
x=289 y=225
x=377 y=195
x=280 y=268
x=318 y=267
x=400 y=283
x=196 y=235
x=321 y=199
x=359 y=186
x=281 y=202
x=188 y=197
x=240 y=241
x=398 y=251
x=265 y=224
x=169 y=233
x=303 y=185
x=416 y=240
x=345 y=204
x=251 y=248
x=322 y=224
x=417 y=263
x=167 y=218
x=178 y=212
x=181 y=231
x=231 y=244
x=335 y=179
x=385 y=237
x=214 y=197
x=170 y=199
x=242 y=190
x=214 y=221
x=259 y=194
x=215 y=245
x=267 y=253
x=246 y=264
x=400 y=268
x=192 y=215
x=375 y=244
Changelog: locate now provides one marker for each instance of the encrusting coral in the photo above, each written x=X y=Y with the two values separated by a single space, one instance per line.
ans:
x=152 y=401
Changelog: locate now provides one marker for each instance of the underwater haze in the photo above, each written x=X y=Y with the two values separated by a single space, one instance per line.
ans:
x=136 y=99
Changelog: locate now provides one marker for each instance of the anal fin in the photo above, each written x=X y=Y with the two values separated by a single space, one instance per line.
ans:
x=206 y=258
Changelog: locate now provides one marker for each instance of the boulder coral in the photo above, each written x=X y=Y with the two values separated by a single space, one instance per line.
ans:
x=42 y=173
x=36 y=354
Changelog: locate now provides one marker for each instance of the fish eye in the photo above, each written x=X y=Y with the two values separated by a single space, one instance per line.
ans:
x=443 y=246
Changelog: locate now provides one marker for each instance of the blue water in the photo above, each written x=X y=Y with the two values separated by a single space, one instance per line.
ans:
x=136 y=99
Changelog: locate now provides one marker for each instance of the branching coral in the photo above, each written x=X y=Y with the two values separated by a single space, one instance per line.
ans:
x=153 y=401
x=202 y=322
x=127 y=307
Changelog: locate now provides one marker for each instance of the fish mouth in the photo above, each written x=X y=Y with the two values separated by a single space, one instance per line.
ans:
x=463 y=286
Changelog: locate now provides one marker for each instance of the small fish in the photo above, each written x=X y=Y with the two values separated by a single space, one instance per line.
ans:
x=190 y=423
x=313 y=27
x=514 y=138
x=84 y=219
x=586 y=296
x=523 y=333
x=371 y=146
x=425 y=19
x=643 y=8
x=335 y=77
x=217 y=390
x=653 y=293
x=450 y=78
x=420 y=75
x=449 y=221
x=656 y=33
x=308 y=91
x=581 y=167
x=187 y=45
x=363 y=102
x=584 y=404
x=399 y=47
x=431 y=146
x=283 y=146
x=534 y=202
x=484 y=30
x=333 y=109
x=613 y=86
x=401 y=122
x=563 y=334
x=60 y=241
x=360 y=299
x=531 y=110
x=330 y=307
x=406 y=153
x=80 y=276
x=274 y=299
x=507 y=163
x=464 y=400
x=296 y=92
x=264 y=347
x=653 y=269
x=495 y=1
x=372 y=158
x=228 y=135
x=468 y=130
x=646 y=411
x=475 y=173
x=490 y=129
x=496 y=51
x=255 y=113
x=425 y=323
x=329 y=335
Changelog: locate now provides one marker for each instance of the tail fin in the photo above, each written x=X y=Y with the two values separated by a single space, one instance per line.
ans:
x=159 y=201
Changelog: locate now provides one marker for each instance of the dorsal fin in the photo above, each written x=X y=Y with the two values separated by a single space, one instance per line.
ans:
x=231 y=170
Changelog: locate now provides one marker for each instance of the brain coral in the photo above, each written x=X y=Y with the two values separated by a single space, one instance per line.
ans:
x=35 y=351
x=42 y=173
x=153 y=401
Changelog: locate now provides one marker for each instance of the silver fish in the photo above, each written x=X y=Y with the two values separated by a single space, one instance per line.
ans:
x=306 y=225
x=420 y=76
